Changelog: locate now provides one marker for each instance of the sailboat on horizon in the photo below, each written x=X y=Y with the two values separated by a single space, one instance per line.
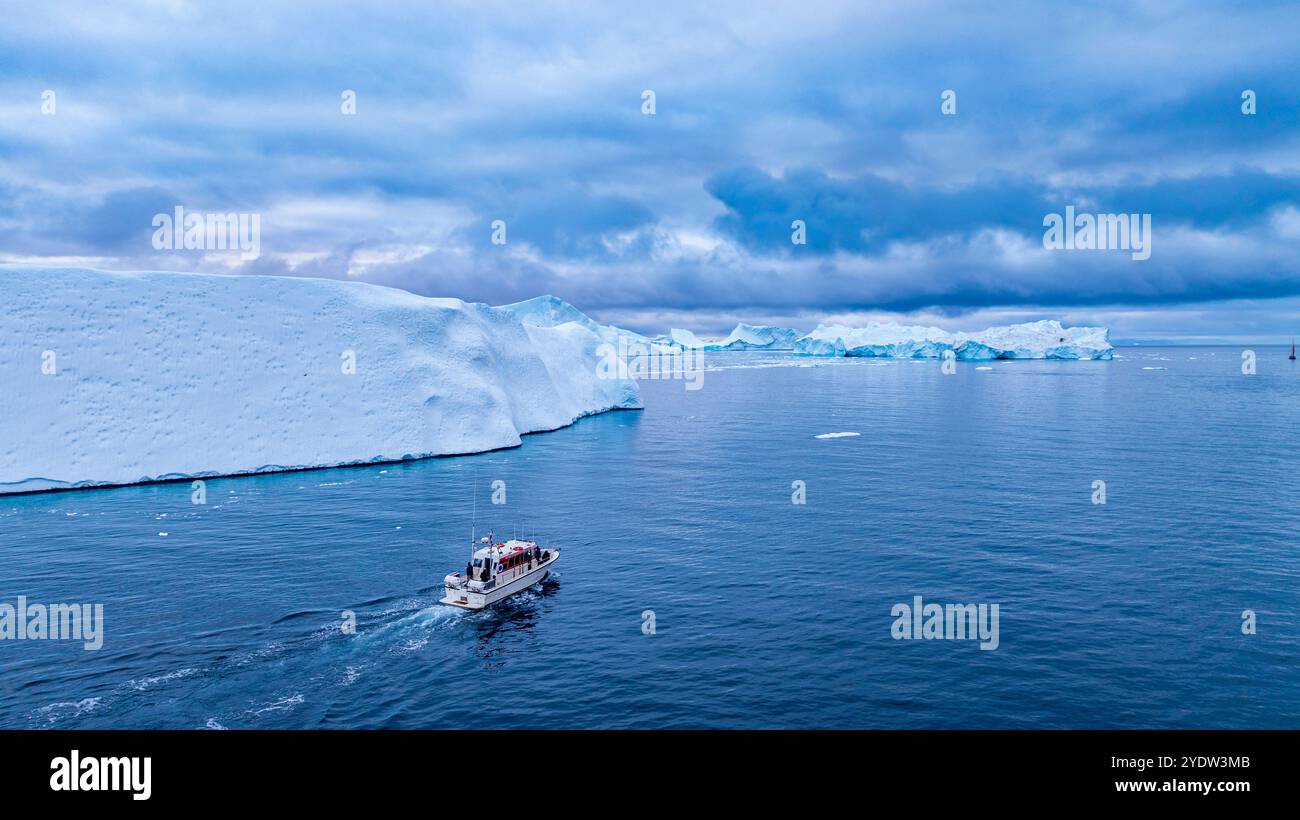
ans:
x=1292 y=356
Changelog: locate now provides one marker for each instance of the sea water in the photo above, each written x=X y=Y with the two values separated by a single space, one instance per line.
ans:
x=722 y=565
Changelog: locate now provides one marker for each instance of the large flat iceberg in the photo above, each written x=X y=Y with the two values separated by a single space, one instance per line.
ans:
x=1045 y=339
x=117 y=378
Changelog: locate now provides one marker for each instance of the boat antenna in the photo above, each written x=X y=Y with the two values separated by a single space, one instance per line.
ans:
x=473 y=516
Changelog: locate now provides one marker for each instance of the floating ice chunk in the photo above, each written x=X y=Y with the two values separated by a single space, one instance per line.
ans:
x=836 y=435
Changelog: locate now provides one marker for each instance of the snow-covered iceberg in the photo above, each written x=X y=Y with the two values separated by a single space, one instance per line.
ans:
x=551 y=311
x=742 y=337
x=760 y=337
x=117 y=378
x=687 y=339
x=1045 y=339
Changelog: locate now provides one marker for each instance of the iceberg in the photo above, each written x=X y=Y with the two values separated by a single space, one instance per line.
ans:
x=760 y=337
x=122 y=377
x=1046 y=339
x=686 y=339
x=549 y=311
x=552 y=311
x=743 y=337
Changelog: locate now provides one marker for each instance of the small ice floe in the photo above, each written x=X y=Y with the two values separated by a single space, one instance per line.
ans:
x=162 y=535
x=1155 y=368
x=398 y=527
x=837 y=435
x=984 y=367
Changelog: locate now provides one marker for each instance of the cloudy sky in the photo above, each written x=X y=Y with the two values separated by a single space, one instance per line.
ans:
x=765 y=113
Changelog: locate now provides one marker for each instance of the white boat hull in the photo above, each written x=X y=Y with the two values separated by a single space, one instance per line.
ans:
x=466 y=598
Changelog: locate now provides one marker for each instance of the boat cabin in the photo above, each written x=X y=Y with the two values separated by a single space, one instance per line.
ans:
x=504 y=561
x=497 y=570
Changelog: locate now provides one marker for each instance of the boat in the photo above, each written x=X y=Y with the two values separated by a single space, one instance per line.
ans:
x=1292 y=356
x=498 y=569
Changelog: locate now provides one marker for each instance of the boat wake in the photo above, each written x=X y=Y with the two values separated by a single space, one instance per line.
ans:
x=310 y=647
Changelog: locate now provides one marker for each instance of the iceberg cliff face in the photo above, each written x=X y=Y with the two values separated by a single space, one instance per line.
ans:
x=1045 y=339
x=117 y=378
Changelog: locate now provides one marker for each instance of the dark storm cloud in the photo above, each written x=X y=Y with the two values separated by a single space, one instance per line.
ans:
x=826 y=112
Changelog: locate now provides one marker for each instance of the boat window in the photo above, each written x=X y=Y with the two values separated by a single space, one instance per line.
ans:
x=478 y=562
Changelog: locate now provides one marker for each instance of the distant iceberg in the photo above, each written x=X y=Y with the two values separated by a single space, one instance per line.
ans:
x=118 y=378
x=743 y=337
x=1046 y=339
x=760 y=337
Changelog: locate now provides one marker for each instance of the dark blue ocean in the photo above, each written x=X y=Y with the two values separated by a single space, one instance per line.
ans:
x=975 y=487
